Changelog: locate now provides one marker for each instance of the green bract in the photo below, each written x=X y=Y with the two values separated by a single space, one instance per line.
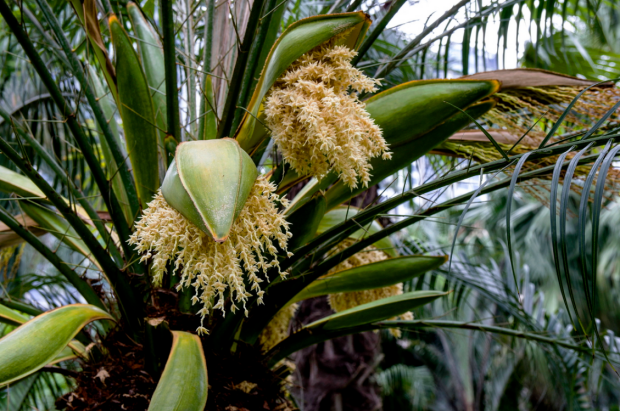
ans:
x=208 y=183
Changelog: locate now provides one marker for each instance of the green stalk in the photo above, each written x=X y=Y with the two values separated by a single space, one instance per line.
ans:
x=305 y=337
x=80 y=284
x=225 y=127
x=253 y=61
x=119 y=158
x=358 y=246
x=54 y=48
x=172 y=98
x=370 y=39
x=354 y=5
x=206 y=67
x=127 y=300
x=77 y=194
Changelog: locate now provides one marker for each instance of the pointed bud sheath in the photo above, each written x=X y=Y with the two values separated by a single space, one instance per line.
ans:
x=209 y=182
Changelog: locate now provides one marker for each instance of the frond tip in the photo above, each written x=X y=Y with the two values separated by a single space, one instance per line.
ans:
x=164 y=235
x=318 y=124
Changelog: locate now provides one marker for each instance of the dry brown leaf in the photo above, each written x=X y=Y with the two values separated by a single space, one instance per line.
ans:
x=102 y=375
x=517 y=78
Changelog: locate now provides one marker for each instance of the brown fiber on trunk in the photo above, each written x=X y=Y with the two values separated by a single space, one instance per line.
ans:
x=337 y=374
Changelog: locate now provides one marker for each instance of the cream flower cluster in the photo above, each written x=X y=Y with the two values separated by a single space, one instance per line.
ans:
x=317 y=120
x=348 y=300
x=164 y=235
x=277 y=330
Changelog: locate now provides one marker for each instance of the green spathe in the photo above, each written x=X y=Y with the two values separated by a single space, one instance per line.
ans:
x=209 y=183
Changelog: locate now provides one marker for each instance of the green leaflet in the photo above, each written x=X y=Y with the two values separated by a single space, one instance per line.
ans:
x=296 y=40
x=18 y=393
x=372 y=276
x=354 y=320
x=209 y=183
x=378 y=310
x=19 y=390
x=183 y=385
x=152 y=54
x=13 y=182
x=342 y=213
x=40 y=340
x=136 y=109
x=408 y=152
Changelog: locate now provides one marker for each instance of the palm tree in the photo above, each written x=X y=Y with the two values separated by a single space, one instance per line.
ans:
x=157 y=145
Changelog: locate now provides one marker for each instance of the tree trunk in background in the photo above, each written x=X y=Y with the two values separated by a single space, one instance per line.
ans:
x=335 y=375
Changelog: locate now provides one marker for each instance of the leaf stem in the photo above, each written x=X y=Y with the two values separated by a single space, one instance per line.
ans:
x=172 y=99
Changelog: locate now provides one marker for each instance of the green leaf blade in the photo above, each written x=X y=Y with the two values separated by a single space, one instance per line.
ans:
x=372 y=276
x=136 y=109
x=37 y=342
x=183 y=385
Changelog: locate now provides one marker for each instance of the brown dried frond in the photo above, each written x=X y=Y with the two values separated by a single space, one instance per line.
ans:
x=317 y=120
x=516 y=109
x=164 y=235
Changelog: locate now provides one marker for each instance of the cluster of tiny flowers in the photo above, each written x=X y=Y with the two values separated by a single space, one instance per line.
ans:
x=348 y=300
x=164 y=235
x=277 y=330
x=317 y=120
